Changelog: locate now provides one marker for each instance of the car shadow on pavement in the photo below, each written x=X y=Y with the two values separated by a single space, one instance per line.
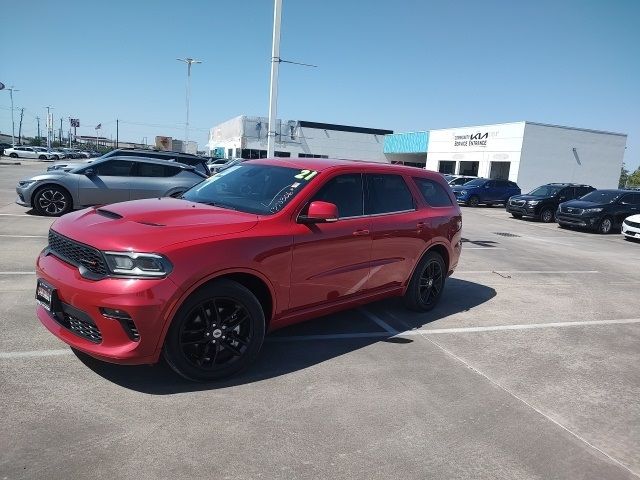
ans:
x=301 y=346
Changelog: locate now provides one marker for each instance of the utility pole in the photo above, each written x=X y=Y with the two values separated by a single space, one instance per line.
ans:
x=117 y=131
x=20 y=129
x=13 y=125
x=38 y=138
x=60 y=133
x=189 y=61
x=49 y=125
x=275 y=64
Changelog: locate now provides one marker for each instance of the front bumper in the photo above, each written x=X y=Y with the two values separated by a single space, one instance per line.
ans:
x=630 y=232
x=581 y=221
x=24 y=196
x=147 y=301
x=525 y=210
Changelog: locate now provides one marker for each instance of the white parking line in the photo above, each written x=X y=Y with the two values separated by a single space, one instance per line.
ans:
x=23 y=215
x=34 y=354
x=557 y=272
x=17 y=273
x=23 y=236
x=483 y=248
x=373 y=317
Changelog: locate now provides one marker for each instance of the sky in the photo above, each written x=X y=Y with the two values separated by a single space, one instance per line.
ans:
x=404 y=65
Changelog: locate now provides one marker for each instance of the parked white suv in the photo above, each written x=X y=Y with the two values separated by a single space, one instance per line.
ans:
x=29 y=152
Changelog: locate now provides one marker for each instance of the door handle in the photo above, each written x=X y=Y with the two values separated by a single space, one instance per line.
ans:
x=360 y=233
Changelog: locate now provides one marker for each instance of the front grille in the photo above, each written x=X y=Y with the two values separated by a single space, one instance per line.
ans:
x=76 y=253
x=632 y=224
x=574 y=211
x=84 y=329
x=517 y=203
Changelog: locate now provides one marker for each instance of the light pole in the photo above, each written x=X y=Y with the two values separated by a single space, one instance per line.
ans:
x=49 y=125
x=189 y=61
x=13 y=125
x=273 y=93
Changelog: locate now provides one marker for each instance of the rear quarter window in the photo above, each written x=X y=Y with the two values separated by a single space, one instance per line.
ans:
x=432 y=192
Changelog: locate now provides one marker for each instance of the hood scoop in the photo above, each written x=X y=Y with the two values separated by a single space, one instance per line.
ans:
x=151 y=224
x=108 y=213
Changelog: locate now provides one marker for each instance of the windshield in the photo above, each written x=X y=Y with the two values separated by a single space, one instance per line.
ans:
x=477 y=182
x=545 y=191
x=601 y=196
x=260 y=189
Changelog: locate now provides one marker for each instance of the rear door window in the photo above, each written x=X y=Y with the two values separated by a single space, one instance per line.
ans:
x=433 y=193
x=387 y=194
x=145 y=169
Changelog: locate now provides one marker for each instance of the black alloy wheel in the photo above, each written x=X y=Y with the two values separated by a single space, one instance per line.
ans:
x=547 y=215
x=427 y=283
x=217 y=332
x=473 y=201
x=605 y=225
x=52 y=201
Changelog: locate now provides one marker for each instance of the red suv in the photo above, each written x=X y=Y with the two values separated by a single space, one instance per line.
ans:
x=258 y=246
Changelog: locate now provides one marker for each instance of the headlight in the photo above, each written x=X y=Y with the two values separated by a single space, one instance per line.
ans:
x=464 y=192
x=533 y=202
x=26 y=183
x=592 y=210
x=132 y=264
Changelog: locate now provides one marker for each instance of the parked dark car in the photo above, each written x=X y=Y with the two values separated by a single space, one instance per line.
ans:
x=486 y=191
x=542 y=202
x=600 y=210
x=3 y=146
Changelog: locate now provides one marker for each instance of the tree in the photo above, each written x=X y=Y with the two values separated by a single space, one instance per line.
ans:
x=624 y=176
x=634 y=179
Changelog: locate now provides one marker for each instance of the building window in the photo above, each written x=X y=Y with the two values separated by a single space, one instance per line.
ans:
x=447 y=166
x=282 y=154
x=230 y=153
x=311 y=155
x=250 y=153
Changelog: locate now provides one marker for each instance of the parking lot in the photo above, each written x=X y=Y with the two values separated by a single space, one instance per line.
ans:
x=528 y=368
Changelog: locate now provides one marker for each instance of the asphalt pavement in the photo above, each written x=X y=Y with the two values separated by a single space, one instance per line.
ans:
x=527 y=369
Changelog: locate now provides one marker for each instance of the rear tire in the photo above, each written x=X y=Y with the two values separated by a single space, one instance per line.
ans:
x=217 y=332
x=13 y=155
x=473 y=201
x=517 y=215
x=42 y=157
x=547 y=215
x=427 y=283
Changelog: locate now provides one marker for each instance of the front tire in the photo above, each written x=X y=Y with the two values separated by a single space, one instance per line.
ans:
x=547 y=215
x=42 y=157
x=605 y=226
x=13 y=155
x=52 y=201
x=427 y=283
x=217 y=332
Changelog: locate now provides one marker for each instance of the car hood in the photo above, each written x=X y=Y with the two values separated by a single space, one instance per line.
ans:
x=50 y=175
x=634 y=218
x=150 y=225
x=583 y=204
x=530 y=197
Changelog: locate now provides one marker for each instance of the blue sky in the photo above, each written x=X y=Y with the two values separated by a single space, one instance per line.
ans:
x=402 y=65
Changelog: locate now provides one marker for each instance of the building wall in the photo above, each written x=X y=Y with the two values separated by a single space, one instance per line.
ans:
x=548 y=156
x=246 y=132
x=483 y=144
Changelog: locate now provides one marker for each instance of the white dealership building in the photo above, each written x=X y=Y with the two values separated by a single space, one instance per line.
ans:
x=246 y=137
x=528 y=153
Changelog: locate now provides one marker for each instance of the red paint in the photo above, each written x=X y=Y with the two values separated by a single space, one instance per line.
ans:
x=309 y=269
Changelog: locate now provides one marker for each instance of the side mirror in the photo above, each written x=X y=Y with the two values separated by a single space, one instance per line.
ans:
x=320 y=212
x=89 y=172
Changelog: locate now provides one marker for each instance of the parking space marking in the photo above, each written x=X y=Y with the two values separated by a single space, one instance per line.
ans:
x=22 y=215
x=483 y=248
x=34 y=354
x=17 y=273
x=532 y=407
x=24 y=236
x=557 y=272
x=378 y=321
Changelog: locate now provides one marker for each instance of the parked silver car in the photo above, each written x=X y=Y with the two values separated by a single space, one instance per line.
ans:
x=109 y=180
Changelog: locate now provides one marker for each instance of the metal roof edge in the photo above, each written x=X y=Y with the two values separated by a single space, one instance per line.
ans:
x=604 y=132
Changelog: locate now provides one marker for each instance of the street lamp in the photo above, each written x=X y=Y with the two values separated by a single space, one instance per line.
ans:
x=189 y=62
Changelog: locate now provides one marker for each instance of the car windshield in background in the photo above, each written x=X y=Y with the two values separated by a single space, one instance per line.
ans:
x=545 y=191
x=601 y=196
x=260 y=189
x=477 y=182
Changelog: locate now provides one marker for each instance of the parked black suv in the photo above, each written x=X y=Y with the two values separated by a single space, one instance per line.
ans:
x=200 y=163
x=542 y=202
x=600 y=210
